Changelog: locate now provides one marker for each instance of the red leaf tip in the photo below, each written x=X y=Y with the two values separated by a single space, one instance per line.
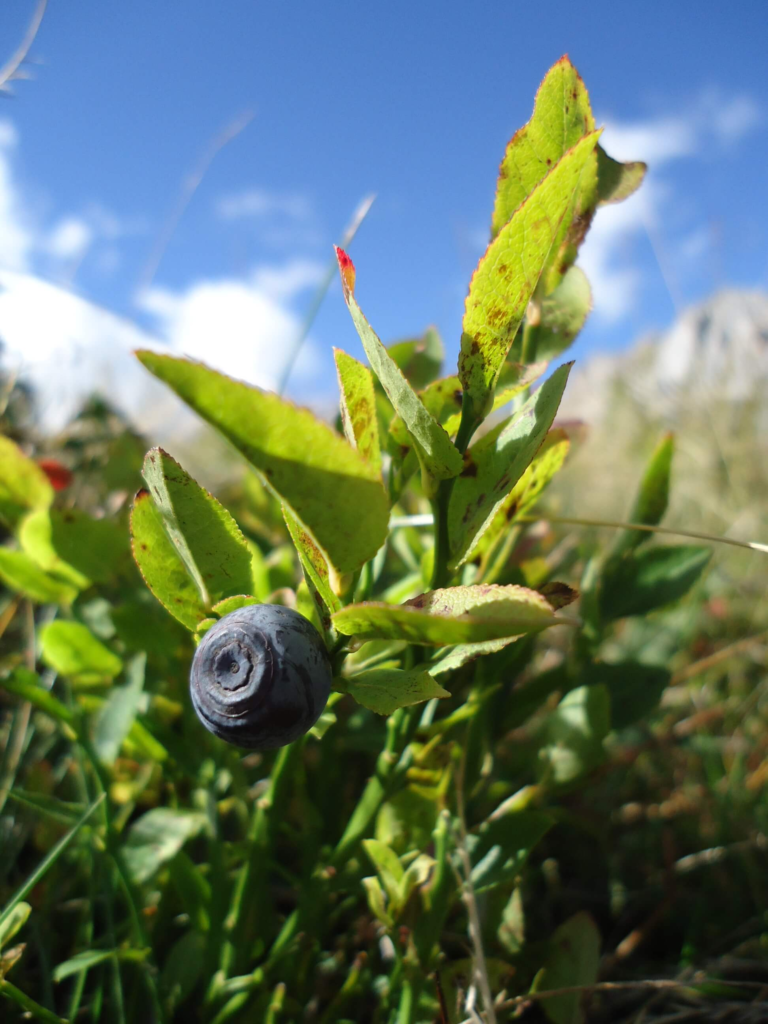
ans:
x=347 y=271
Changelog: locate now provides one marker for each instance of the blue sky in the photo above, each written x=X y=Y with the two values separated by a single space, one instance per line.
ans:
x=414 y=102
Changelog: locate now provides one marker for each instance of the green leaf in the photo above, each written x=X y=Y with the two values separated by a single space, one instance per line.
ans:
x=463 y=654
x=23 y=576
x=74 y=545
x=119 y=712
x=563 y=313
x=232 y=604
x=358 y=407
x=508 y=273
x=573 y=960
x=161 y=565
x=546 y=463
x=26 y=684
x=652 y=498
x=157 y=837
x=15 y=921
x=575 y=731
x=511 y=931
x=420 y=359
x=23 y=485
x=561 y=117
x=496 y=462
x=502 y=845
x=451 y=616
x=337 y=494
x=384 y=690
x=207 y=538
x=650 y=579
x=376 y=901
x=388 y=866
x=72 y=650
x=437 y=453
x=316 y=569
x=81 y=962
x=635 y=689
x=617 y=181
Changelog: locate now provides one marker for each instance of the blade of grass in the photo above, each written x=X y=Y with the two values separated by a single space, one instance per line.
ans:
x=29 y=1005
x=49 y=861
x=351 y=230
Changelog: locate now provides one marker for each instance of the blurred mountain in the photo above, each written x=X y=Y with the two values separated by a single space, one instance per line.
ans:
x=717 y=349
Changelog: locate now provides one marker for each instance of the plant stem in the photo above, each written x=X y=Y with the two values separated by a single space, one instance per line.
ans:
x=440 y=503
x=530 y=342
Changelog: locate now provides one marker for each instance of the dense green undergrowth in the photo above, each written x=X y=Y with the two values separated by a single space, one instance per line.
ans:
x=543 y=762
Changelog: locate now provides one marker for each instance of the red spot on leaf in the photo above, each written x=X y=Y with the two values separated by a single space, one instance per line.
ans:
x=59 y=476
x=347 y=271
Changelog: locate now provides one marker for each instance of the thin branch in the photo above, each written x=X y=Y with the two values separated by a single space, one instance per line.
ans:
x=189 y=186
x=711 y=660
x=349 y=233
x=8 y=71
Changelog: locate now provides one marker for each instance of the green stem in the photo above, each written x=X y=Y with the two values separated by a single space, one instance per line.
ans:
x=250 y=894
x=530 y=343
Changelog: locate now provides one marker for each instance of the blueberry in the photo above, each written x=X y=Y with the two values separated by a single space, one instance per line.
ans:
x=260 y=677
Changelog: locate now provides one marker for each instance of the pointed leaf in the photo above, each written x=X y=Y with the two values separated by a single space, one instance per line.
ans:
x=71 y=649
x=451 y=616
x=650 y=579
x=503 y=844
x=14 y=922
x=316 y=570
x=23 y=484
x=507 y=275
x=358 y=407
x=463 y=654
x=376 y=901
x=330 y=487
x=207 y=538
x=561 y=117
x=388 y=866
x=384 y=690
x=575 y=732
x=528 y=489
x=496 y=463
x=23 y=576
x=436 y=451
x=161 y=566
x=652 y=497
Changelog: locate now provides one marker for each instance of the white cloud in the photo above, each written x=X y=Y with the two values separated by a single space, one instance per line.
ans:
x=242 y=328
x=259 y=203
x=68 y=238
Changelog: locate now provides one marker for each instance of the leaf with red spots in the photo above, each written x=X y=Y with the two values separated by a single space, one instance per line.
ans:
x=495 y=463
x=508 y=274
x=317 y=572
x=437 y=453
x=455 y=615
x=358 y=407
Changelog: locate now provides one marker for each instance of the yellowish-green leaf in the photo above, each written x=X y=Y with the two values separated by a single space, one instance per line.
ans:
x=23 y=485
x=71 y=649
x=316 y=570
x=563 y=314
x=561 y=116
x=495 y=464
x=617 y=181
x=23 y=576
x=455 y=615
x=207 y=538
x=330 y=487
x=161 y=566
x=548 y=460
x=384 y=690
x=358 y=407
x=437 y=453
x=74 y=545
x=26 y=684
x=508 y=274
